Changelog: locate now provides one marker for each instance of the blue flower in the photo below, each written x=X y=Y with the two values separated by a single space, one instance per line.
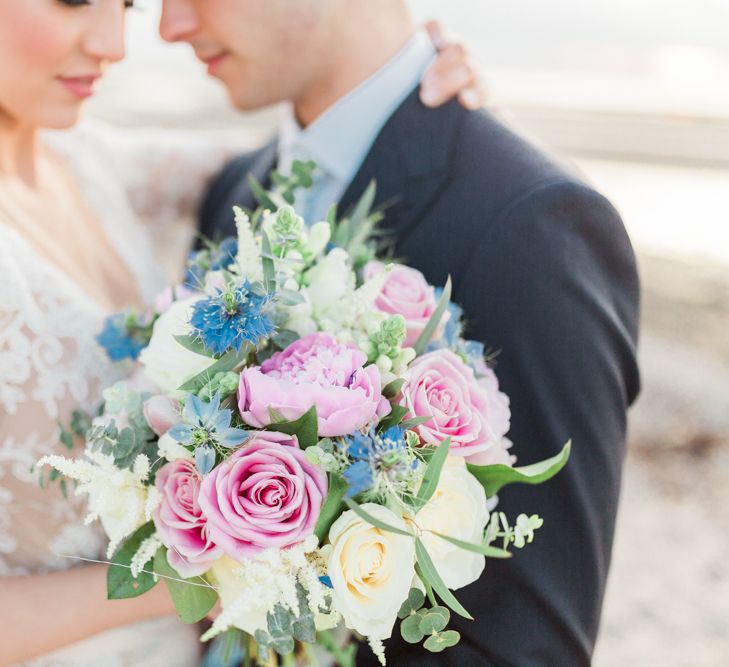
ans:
x=117 y=340
x=235 y=316
x=210 y=259
x=376 y=457
x=205 y=427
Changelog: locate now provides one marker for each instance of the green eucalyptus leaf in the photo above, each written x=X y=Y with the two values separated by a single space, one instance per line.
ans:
x=260 y=194
x=192 y=344
x=373 y=520
x=494 y=477
x=303 y=629
x=269 y=270
x=120 y=584
x=410 y=629
x=429 y=330
x=332 y=507
x=431 y=623
x=393 y=388
x=442 y=641
x=226 y=363
x=193 y=598
x=430 y=572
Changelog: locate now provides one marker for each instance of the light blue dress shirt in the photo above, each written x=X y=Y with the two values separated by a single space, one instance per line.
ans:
x=339 y=140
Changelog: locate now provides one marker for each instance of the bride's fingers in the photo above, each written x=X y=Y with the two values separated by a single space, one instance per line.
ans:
x=436 y=33
x=454 y=73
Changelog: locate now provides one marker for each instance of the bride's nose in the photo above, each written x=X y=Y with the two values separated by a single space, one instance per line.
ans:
x=104 y=39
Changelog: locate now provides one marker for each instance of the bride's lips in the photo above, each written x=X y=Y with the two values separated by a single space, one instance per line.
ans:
x=80 y=86
x=213 y=61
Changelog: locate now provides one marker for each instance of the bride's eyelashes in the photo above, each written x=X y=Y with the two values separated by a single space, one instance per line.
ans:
x=80 y=3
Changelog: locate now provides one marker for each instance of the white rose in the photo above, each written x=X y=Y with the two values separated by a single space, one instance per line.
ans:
x=371 y=571
x=457 y=509
x=167 y=363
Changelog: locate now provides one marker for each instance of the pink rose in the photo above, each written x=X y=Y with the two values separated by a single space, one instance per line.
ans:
x=473 y=412
x=406 y=292
x=180 y=522
x=265 y=495
x=318 y=371
x=161 y=413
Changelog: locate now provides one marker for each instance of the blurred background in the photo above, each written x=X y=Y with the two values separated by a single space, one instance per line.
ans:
x=636 y=94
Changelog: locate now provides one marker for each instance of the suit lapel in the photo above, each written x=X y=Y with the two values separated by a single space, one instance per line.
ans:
x=409 y=161
x=261 y=170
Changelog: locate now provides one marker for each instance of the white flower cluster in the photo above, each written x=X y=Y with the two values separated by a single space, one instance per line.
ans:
x=118 y=498
x=251 y=588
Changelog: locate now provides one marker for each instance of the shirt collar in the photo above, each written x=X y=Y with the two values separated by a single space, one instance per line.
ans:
x=339 y=140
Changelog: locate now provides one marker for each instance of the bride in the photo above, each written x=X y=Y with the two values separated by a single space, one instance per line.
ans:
x=72 y=251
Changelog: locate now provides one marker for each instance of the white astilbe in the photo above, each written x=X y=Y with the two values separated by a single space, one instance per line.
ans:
x=253 y=587
x=378 y=648
x=147 y=549
x=118 y=498
x=249 y=251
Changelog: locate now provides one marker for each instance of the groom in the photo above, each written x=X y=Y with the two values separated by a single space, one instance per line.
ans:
x=540 y=262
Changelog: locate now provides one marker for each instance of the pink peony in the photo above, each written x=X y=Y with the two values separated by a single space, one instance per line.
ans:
x=318 y=371
x=265 y=495
x=180 y=522
x=161 y=413
x=473 y=412
x=406 y=292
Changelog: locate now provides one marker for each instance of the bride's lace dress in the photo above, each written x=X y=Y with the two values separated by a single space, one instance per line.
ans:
x=50 y=364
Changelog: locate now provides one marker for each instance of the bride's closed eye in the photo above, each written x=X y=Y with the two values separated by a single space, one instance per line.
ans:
x=80 y=3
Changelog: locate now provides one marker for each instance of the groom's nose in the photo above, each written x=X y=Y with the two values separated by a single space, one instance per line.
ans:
x=179 y=20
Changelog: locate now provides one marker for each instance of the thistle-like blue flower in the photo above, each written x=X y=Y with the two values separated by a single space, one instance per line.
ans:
x=117 y=339
x=205 y=428
x=376 y=457
x=210 y=259
x=235 y=316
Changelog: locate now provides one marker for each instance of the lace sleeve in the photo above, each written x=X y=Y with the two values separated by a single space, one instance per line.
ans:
x=163 y=171
x=49 y=366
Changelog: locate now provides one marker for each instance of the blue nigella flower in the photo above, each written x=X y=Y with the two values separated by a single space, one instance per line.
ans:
x=235 y=316
x=115 y=338
x=326 y=581
x=205 y=426
x=374 y=456
x=222 y=256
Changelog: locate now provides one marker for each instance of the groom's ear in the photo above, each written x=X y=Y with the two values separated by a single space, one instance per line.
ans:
x=179 y=20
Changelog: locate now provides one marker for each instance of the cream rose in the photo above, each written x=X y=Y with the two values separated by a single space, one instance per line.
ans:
x=371 y=571
x=457 y=509
x=248 y=611
x=167 y=363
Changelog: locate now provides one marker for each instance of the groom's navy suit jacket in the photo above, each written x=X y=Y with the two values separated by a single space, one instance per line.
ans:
x=545 y=272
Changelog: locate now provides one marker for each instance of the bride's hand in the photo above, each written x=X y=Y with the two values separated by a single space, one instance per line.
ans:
x=454 y=72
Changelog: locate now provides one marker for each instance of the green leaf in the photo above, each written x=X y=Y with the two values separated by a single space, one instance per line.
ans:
x=433 y=622
x=430 y=572
x=120 y=584
x=260 y=194
x=442 y=641
x=192 y=344
x=372 y=520
x=427 y=333
x=393 y=388
x=269 y=271
x=193 y=598
x=432 y=475
x=415 y=601
x=332 y=506
x=484 y=549
x=226 y=363
x=410 y=629
x=411 y=423
x=495 y=477
x=305 y=428
x=393 y=419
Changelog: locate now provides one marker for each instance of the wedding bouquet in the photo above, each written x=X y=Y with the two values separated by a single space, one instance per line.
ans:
x=308 y=441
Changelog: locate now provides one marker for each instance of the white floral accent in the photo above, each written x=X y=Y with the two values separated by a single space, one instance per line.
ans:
x=146 y=551
x=249 y=251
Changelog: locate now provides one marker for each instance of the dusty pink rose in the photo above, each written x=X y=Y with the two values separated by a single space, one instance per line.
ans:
x=406 y=292
x=265 y=495
x=161 y=413
x=180 y=522
x=318 y=371
x=473 y=412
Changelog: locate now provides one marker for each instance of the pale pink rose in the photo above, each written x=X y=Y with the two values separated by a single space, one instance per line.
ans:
x=406 y=292
x=318 y=371
x=474 y=413
x=265 y=495
x=161 y=413
x=180 y=522
x=498 y=454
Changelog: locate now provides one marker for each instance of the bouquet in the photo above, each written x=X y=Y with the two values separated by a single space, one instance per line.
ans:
x=305 y=440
